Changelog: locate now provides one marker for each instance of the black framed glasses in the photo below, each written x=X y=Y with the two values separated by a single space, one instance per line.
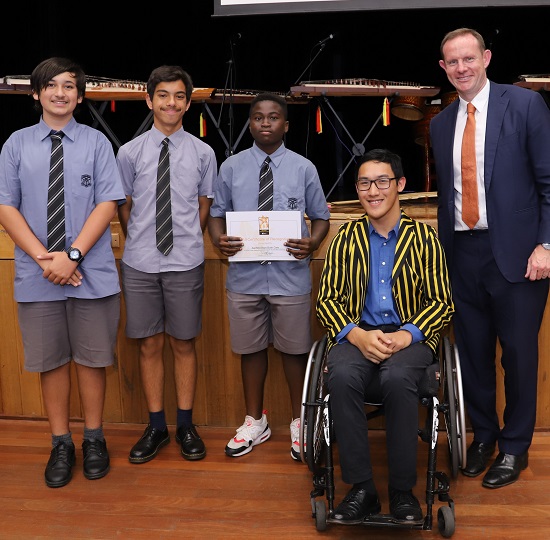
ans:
x=381 y=183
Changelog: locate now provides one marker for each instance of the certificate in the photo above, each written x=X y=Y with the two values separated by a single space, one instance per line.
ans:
x=264 y=234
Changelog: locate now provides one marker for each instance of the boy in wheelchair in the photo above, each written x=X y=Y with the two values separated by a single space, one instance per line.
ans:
x=384 y=298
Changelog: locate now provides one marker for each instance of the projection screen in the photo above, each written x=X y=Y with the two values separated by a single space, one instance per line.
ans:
x=259 y=7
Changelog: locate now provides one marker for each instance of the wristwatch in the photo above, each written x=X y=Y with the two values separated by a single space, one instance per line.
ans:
x=75 y=255
x=546 y=245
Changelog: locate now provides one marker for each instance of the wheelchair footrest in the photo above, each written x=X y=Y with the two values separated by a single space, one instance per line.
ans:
x=385 y=520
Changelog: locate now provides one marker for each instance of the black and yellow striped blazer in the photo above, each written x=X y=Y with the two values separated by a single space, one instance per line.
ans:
x=420 y=280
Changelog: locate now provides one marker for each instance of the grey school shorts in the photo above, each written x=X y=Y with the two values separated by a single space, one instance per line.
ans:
x=168 y=302
x=55 y=332
x=256 y=320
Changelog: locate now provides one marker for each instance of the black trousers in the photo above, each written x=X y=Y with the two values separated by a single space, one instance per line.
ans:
x=490 y=307
x=350 y=375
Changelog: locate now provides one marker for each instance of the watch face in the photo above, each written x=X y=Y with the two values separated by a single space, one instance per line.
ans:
x=74 y=254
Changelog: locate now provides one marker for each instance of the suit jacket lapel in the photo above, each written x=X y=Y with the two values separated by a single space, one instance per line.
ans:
x=498 y=102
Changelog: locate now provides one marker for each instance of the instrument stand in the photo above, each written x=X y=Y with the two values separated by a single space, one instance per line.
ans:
x=358 y=148
x=97 y=113
x=98 y=119
x=230 y=146
x=145 y=125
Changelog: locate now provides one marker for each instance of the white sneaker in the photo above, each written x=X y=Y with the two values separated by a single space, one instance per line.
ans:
x=251 y=433
x=295 y=438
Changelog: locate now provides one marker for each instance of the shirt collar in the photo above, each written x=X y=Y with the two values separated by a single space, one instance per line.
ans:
x=68 y=130
x=395 y=230
x=480 y=101
x=260 y=155
x=176 y=138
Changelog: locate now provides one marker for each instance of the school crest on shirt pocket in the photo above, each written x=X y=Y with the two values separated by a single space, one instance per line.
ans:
x=86 y=180
x=292 y=203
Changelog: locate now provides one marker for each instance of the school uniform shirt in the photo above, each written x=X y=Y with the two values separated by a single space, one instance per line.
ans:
x=90 y=177
x=193 y=169
x=296 y=186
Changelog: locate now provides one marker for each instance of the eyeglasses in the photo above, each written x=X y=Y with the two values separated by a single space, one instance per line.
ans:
x=380 y=183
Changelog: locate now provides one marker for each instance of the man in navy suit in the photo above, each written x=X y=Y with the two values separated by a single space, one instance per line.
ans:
x=499 y=266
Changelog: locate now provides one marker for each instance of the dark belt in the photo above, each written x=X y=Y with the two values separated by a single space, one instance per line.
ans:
x=384 y=327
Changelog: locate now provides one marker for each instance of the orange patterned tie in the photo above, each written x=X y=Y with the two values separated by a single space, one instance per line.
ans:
x=470 y=208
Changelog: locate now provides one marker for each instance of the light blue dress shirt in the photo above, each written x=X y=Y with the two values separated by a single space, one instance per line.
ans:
x=193 y=169
x=296 y=186
x=90 y=177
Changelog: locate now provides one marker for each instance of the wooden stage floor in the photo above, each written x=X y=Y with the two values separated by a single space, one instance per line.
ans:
x=261 y=495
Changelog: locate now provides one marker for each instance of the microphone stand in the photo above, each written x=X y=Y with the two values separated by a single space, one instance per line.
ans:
x=229 y=88
x=321 y=49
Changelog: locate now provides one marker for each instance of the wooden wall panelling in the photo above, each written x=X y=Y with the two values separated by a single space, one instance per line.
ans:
x=219 y=398
x=133 y=407
x=543 y=388
x=212 y=348
x=11 y=348
x=19 y=389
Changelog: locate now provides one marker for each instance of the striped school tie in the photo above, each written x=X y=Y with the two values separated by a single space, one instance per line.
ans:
x=56 y=195
x=165 y=239
x=265 y=196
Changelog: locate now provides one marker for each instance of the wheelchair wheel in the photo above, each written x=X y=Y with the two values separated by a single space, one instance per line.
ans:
x=461 y=415
x=315 y=409
x=445 y=521
x=305 y=395
x=450 y=410
x=320 y=516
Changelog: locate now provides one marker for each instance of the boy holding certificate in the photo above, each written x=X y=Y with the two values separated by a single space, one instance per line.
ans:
x=269 y=301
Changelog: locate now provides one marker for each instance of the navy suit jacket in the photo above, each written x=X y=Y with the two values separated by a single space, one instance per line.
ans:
x=517 y=175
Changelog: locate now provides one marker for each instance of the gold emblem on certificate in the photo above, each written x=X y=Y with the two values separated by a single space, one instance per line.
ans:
x=263 y=223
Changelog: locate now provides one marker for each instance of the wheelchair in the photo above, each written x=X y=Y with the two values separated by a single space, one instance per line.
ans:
x=442 y=380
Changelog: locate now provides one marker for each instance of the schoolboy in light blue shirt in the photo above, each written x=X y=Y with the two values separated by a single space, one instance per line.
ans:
x=64 y=303
x=164 y=292
x=269 y=302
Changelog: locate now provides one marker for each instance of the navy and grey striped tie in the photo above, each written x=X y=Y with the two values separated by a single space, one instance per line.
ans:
x=265 y=196
x=165 y=239
x=56 y=195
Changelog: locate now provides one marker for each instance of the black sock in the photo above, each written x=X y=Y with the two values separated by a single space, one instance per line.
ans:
x=185 y=418
x=157 y=420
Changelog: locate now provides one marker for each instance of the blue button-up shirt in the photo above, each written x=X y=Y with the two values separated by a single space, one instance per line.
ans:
x=379 y=304
x=296 y=186
x=90 y=177
x=193 y=169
